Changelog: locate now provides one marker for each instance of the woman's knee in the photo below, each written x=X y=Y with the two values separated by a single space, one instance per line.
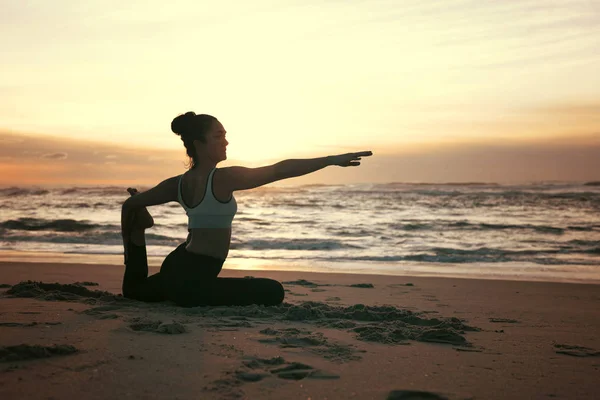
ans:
x=275 y=291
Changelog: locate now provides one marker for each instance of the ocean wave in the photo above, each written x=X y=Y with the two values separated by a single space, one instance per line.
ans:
x=64 y=205
x=464 y=225
x=70 y=191
x=484 y=255
x=108 y=238
x=413 y=226
x=16 y=192
x=580 y=242
x=493 y=255
x=581 y=228
x=468 y=198
x=297 y=204
x=58 y=225
x=538 y=228
x=402 y=184
x=94 y=190
x=581 y=246
x=428 y=258
x=351 y=232
x=561 y=220
x=292 y=244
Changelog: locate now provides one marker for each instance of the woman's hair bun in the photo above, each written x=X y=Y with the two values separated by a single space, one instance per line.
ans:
x=191 y=127
x=184 y=123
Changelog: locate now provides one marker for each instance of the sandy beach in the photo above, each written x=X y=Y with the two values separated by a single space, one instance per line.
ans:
x=336 y=336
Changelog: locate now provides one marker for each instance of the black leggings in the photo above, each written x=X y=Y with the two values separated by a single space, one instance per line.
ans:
x=190 y=280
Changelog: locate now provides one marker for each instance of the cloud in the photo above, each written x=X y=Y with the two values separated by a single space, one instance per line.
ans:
x=565 y=158
x=579 y=109
x=10 y=140
x=30 y=152
x=55 y=156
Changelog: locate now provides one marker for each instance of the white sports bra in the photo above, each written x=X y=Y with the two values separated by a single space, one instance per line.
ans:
x=210 y=213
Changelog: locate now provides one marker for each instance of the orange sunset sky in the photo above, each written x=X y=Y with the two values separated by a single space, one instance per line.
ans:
x=494 y=91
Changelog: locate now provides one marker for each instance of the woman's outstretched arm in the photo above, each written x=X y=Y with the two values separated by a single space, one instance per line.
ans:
x=241 y=178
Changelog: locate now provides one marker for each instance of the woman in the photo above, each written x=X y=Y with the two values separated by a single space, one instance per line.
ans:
x=188 y=275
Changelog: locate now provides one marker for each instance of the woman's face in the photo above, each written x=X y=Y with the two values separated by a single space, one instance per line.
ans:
x=216 y=143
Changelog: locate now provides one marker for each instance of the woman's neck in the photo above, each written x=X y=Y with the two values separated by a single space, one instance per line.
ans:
x=204 y=167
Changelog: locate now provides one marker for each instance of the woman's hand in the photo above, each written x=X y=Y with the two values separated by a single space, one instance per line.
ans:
x=349 y=159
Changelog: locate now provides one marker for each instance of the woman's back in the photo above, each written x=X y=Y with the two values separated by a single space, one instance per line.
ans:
x=195 y=190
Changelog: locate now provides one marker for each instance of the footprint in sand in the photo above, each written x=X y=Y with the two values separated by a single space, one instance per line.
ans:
x=362 y=285
x=291 y=371
x=313 y=342
x=576 y=351
x=158 y=327
x=250 y=376
x=413 y=395
x=21 y=325
x=222 y=325
x=29 y=352
x=100 y=312
x=302 y=282
x=504 y=320
x=394 y=285
x=292 y=337
x=256 y=369
x=297 y=371
x=58 y=292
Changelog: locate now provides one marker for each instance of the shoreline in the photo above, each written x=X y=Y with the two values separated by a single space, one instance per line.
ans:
x=518 y=272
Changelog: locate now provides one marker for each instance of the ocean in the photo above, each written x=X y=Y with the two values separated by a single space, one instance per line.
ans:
x=541 y=231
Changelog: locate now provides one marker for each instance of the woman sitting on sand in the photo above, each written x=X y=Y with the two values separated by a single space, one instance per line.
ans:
x=188 y=275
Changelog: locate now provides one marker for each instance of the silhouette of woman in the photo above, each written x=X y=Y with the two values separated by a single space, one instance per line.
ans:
x=188 y=275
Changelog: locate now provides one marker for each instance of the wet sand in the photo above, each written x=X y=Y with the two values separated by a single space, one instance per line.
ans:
x=66 y=332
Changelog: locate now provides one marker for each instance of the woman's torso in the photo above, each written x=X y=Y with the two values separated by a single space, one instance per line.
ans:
x=213 y=242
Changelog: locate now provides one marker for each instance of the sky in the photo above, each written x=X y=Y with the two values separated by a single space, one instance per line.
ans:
x=503 y=91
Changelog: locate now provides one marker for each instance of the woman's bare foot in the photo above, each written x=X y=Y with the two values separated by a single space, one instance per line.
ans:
x=143 y=219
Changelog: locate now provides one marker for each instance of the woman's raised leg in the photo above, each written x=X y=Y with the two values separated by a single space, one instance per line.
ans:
x=136 y=282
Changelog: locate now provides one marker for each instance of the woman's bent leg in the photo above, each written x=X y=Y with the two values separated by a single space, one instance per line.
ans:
x=190 y=280
x=136 y=282
x=246 y=291
x=232 y=292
